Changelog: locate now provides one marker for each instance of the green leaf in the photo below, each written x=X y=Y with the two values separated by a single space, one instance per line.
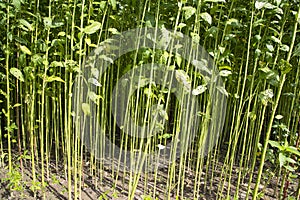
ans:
x=47 y=22
x=54 y=78
x=202 y=65
x=17 y=4
x=189 y=11
x=270 y=47
x=289 y=168
x=17 y=105
x=284 y=66
x=282 y=159
x=270 y=75
x=94 y=97
x=297 y=50
x=206 y=17
x=222 y=90
x=113 y=4
x=216 y=1
x=94 y=82
x=183 y=78
x=95 y=72
x=278 y=117
x=199 y=90
x=106 y=58
x=86 y=109
x=17 y=73
x=225 y=73
x=275 y=39
x=26 y=24
x=276 y=144
x=25 y=50
x=233 y=22
x=95 y=26
x=293 y=150
x=114 y=31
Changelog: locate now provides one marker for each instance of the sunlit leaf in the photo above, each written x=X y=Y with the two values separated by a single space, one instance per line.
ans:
x=206 y=17
x=282 y=159
x=95 y=26
x=233 y=22
x=94 y=97
x=222 y=90
x=202 y=65
x=26 y=24
x=284 y=66
x=113 y=31
x=113 y=4
x=106 y=58
x=17 y=73
x=95 y=72
x=278 y=117
x=225 y=73
x=293 y=150
x=199 y=90
x=276 y=144
x=189 y=11
x=183 y=77
x=94 y=82
x=25 y=50
x=266 y=96
x=275 y=39
x=86 y=109
x=215 y=1
x=270 y=47
x=269 y=74
x=54 y=78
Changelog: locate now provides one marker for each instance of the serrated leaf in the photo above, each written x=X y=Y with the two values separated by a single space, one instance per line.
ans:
x=25 y=50
x=17 y=73
x=54 y=78
x=95 y=26
x=206 y=17
x=86 y=109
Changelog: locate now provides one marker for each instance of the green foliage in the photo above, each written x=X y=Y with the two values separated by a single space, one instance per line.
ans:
x=254 y=44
